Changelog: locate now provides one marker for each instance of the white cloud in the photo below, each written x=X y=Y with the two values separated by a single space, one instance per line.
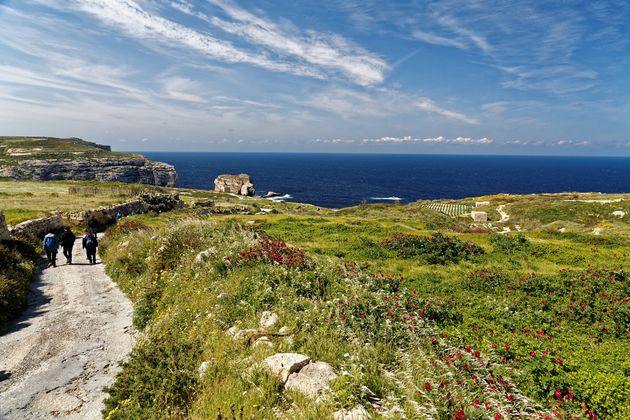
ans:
x=128 y=16
x=428 y=105
x=326 y=52
x=440 y=140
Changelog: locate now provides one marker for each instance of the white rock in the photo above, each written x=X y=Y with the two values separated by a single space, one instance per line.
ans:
x=203 y=367
x=312 y=379
x=268 y=319
x=284 y=364
x=284 y=330
x=357 y=413
x=619 y=213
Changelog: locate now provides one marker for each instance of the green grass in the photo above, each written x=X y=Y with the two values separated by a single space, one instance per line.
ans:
x=16 y=149
x=480 y=303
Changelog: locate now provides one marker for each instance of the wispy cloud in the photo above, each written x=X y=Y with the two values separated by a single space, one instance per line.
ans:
x=328 y=51
x=428 y=105
x=434 y=140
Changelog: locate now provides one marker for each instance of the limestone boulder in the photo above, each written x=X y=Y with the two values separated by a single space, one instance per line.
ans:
x=235 y=184
x=282 y=365
x=268 y=319
x=357 y=413
x=312 y=379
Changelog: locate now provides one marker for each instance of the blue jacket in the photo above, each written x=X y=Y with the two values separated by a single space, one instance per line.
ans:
x=53 y=242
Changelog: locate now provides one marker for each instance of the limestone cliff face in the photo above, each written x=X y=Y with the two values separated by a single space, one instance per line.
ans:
x=130 y=170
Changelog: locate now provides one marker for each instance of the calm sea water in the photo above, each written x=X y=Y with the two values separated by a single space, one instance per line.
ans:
x=340 y=180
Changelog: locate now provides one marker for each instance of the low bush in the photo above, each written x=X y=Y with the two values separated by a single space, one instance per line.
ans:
x=17 y=266
x=509 y=243
x=435 y=249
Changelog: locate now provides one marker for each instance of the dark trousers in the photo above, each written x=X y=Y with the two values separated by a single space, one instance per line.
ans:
x=52 y=257
x=67 y=252
x=91 y=254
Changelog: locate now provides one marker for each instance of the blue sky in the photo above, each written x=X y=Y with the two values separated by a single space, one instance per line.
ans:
x=446 y=76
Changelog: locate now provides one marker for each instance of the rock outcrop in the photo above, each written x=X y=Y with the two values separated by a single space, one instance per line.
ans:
x=131 y=169
x=4 y=230
x=234 y=184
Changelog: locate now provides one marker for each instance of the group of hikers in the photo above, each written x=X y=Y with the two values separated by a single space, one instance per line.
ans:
x=66 y=240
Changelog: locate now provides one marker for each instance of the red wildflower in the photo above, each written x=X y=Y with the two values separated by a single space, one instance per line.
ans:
x=477 y=405
x=533 y=354
x=467 y=349
x=497 y=416
x=559 y=361
x=507 y=346
x=343 y=316
x=477 y=353
x=558 y=395
x=474 y=377
x=427 y=386
x=459 y=415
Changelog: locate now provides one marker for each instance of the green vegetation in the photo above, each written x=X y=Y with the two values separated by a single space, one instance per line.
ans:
x=527 y=324
x=417 y=311
x=17 y=265
x=16 y=149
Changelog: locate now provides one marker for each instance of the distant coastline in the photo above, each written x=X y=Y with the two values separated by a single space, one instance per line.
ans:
x=342 y=180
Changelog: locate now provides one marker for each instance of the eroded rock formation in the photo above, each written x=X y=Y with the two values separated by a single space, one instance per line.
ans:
x=234 y=184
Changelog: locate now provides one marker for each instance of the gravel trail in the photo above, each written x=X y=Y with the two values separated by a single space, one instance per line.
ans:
x=57 y=357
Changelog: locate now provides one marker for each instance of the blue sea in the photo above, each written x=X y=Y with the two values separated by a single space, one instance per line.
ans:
x=341 y=180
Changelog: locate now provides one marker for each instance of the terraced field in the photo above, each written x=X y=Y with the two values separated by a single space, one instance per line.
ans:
x=453 y=210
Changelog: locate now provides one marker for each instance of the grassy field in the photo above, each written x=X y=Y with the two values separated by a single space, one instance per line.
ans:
x=15 y=149
x=468 y=325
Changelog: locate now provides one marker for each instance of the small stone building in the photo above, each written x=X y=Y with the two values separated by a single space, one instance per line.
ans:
x=481 y=203
x=479 y=216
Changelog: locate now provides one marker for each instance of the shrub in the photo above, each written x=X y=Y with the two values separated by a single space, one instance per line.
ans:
x=435 y=249
x=160 y=378
x=509 y=243
x=269 y=252
x=486 y=279
x=17 y=266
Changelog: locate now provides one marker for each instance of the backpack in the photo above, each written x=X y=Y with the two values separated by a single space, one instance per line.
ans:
x=49 y=243
x=90 y=243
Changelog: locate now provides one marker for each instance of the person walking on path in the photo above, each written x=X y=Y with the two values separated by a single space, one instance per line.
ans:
x=51 y=245
x=92 y=226
x=67 y=242
x=90 y=243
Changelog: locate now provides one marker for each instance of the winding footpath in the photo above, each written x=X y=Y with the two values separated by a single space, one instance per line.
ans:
x=57 y=357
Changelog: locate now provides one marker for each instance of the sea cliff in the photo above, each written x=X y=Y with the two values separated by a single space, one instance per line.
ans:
x=46 y=159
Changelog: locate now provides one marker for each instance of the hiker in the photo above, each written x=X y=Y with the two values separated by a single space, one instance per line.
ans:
x=90 y=242
x=117 y=216
x=67 y=242
x=51 y=245
x=92 y=225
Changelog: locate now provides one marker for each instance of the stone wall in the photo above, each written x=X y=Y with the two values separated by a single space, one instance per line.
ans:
x=4 y=230
x=103 y=216
x=39 y=227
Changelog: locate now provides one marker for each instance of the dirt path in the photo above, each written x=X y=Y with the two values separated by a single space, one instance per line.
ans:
x=56 y=358
x=504 y=216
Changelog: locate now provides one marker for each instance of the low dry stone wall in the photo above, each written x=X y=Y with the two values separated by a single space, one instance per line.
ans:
x=103 y=216
x=4 y=230
x=39 y=227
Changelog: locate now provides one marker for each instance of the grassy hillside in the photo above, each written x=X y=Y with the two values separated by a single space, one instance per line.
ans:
x=419 y=312
x=16 y=149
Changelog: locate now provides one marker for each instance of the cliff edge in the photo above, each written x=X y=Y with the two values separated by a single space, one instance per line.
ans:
x=46 y=159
